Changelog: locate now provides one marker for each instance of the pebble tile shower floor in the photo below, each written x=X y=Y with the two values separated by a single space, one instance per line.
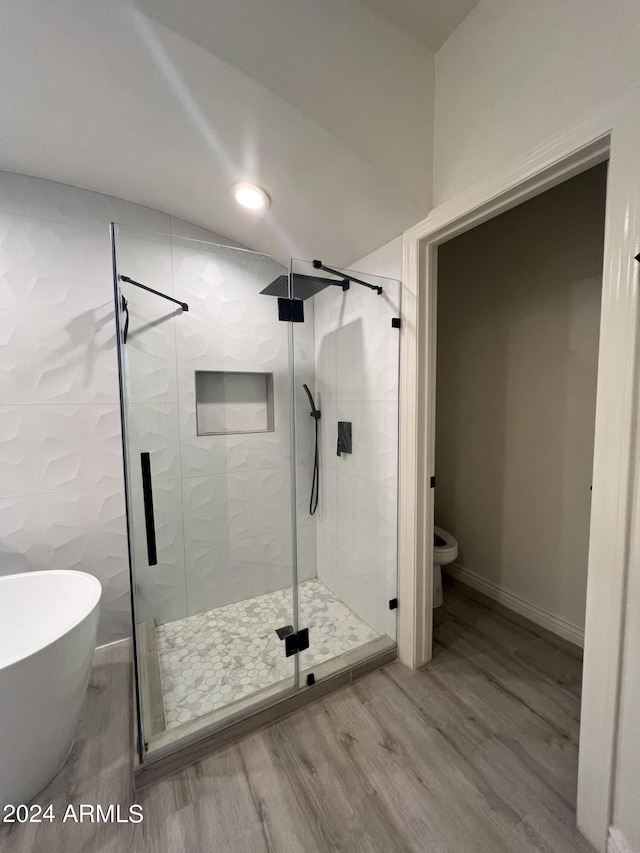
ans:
x=217 y=657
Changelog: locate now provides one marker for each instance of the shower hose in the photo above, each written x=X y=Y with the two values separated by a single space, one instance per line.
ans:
x=315 y=482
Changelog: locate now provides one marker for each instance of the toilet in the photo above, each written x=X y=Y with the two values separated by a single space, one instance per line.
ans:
x=445 y=550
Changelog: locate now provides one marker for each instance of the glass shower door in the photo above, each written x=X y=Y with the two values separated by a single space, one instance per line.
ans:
x=208 y=436
x=346 y=399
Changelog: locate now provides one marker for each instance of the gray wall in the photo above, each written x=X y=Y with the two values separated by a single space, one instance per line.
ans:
x=518 y=324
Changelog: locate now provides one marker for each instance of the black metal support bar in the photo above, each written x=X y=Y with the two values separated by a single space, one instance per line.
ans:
x=126 y=278
x=147 y=493
x=318 y=265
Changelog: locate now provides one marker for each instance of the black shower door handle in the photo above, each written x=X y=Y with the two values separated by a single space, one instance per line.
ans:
x=147 y=493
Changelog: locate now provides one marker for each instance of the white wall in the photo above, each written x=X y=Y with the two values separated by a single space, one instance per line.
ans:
x=518 y=324
x=385 y=261
x=517 y=72
x=357 y=354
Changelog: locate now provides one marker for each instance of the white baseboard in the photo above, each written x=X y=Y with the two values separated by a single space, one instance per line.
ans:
x=617 y=843
x=541 y=617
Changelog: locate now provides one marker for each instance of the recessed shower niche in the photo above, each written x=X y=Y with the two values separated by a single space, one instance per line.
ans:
x=229 y=403
x=263 y=566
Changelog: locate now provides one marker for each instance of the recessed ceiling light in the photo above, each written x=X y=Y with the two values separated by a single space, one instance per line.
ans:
x=251 y=196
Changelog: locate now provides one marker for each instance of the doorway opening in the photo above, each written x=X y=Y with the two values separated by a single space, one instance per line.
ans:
x=518 y=321
x=517 y=344
x=609 y=134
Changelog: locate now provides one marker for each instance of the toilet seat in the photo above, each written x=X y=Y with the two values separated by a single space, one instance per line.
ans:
x=447 y=553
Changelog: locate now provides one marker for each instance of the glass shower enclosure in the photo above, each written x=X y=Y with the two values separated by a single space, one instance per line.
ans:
x=260 y=432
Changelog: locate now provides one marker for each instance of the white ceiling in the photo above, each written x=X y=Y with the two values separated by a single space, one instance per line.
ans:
x=429 y=21
x=322 y=102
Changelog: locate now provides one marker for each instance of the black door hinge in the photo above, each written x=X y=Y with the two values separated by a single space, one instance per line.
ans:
x=393 y=604
x=432 y=482
x=290 y=310
x=294 y=643
x=396 y=323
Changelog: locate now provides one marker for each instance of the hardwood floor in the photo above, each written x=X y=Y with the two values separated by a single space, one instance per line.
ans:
x=477 y=752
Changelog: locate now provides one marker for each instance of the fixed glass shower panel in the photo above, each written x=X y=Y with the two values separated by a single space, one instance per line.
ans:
x=206 y=383
x=346 y=454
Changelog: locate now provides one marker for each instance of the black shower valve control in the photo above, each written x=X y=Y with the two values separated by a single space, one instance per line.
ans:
x=344 y=437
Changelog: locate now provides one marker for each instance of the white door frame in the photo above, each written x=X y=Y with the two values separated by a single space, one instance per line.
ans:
x=614 y=133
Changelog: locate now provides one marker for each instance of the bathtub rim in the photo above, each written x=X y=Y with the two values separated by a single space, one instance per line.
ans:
x=78 y=619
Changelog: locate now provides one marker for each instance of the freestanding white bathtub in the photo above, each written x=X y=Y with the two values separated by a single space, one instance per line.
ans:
x=48 y=625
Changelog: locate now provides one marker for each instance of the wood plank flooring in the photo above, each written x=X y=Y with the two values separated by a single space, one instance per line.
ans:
x=477 y=752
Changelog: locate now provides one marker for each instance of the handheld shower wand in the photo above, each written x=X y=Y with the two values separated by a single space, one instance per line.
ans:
x=315 y=483
x=315 y=413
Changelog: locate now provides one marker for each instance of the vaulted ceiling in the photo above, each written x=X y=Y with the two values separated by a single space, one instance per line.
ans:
x=325 y=103
x=429 y=21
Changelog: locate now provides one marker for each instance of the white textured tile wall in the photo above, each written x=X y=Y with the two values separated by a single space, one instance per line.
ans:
x=61 y=497
x=50 y=448
x=56 y=317
x=35 y=198
x=161 y=590
x=235 y=570
x=79 y=529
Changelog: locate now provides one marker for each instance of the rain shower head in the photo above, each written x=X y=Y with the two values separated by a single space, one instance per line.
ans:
x=304 y=286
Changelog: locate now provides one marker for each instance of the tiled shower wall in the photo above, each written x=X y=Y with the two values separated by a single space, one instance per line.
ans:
x=61 y=493
x=222 y=502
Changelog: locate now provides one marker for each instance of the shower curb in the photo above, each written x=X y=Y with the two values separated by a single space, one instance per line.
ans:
x=206 y=743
